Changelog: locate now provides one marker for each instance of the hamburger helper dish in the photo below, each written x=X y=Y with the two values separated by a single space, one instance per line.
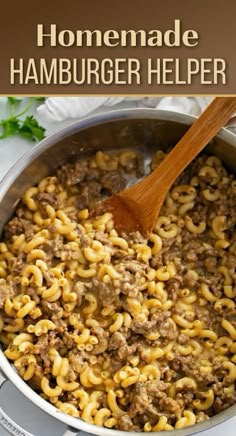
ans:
x=118 y=330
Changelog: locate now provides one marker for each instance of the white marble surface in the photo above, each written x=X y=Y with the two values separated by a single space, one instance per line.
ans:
x=11 y=400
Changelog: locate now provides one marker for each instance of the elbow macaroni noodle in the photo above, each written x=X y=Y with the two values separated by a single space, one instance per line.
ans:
x=103 y=325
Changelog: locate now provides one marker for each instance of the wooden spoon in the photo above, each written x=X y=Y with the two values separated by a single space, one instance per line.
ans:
x=137 y=207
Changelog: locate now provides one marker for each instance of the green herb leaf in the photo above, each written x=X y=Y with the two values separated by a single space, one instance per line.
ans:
x=31 y=129
x=39 y=98
x=14 y=125
x=13 y=100
x=10 y=127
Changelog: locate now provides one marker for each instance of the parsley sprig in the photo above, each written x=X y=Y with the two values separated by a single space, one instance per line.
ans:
x=27 y=127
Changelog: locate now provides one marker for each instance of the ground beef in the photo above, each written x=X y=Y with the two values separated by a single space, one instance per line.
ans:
x=125 y=423
x=89 y=195
x=41 y=348
x=136 y=237
x=131 y=266
x=185 y=398
x=143 y=327
x=168 y=329
x=183 y=364
x=118 y=343
x=80 y=288
x=76 y=362
x=13 y=227
x=183 y=339
x=173 y=287
x=124 y=327
x=72 y=174
x=5 y=292
x=222 y=404
x=34 y=296
x=16 y=264
x=50 y=308
x=170 y=405
x=141 y=400
x=54 y=247
x=107 y=293
x=151 y=399
x=45 y=198
x=102 y=336
x=112 y=182
x=17 y=226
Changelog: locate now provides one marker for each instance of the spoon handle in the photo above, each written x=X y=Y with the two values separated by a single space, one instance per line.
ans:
x=195 y=139
x=145 y=198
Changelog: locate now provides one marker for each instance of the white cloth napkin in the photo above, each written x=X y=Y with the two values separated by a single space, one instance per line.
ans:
x=62 y=108
x=59 y=109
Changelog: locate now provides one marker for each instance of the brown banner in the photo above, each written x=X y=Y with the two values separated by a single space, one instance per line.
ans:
x=173 y=47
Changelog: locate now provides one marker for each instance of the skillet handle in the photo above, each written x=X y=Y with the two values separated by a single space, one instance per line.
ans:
x=6 y=422
x=71 y=432
x=13 y=428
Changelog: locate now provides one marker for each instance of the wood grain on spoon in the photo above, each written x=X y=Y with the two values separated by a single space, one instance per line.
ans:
x=137 y=207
